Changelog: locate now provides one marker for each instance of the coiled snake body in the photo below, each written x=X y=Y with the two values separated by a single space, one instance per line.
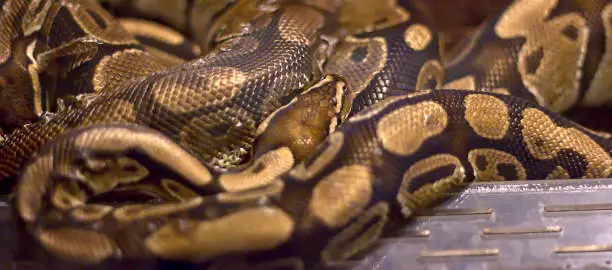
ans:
x=303 y=131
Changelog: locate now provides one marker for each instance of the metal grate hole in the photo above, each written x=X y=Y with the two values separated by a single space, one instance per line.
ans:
x=459 y=253
x=460 y=212
x=521 y=230
x=416 y=233
x=577 y=207
x=583 y=249
x=344 y=265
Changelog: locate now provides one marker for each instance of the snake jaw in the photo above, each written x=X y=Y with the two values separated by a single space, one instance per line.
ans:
x=344 y=99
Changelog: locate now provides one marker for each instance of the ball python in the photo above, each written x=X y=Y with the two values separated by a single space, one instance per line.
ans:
x=290 y=134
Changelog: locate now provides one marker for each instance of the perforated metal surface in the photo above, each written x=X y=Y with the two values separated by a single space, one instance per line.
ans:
x=520 y=225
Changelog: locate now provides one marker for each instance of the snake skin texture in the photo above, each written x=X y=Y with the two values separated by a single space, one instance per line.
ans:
x=282 y=134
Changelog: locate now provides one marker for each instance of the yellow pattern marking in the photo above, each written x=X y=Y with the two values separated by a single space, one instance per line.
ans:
x=333 y=145
x=545 y=139
x=135 y=212
x=300 y=25
x=430 y=192
x=487 y=115
x=418 y=37
x=77 y=244
x=358 y=74
x=598 y=93
x=265 y=169
x=122 y=66
x=246 y=230
x=342 y=195
x=556 y=77
x=404 y=130
x=431 y=70
x=558 y=173
x=492 y=160
x=463 y=83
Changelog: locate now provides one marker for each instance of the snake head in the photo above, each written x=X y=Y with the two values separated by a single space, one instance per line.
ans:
x=343 y=98
x=306 y=121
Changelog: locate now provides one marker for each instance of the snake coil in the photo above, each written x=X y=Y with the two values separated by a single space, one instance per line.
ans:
x=290 y=133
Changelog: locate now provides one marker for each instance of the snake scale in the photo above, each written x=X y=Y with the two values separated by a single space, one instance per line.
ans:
x=290 y=134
